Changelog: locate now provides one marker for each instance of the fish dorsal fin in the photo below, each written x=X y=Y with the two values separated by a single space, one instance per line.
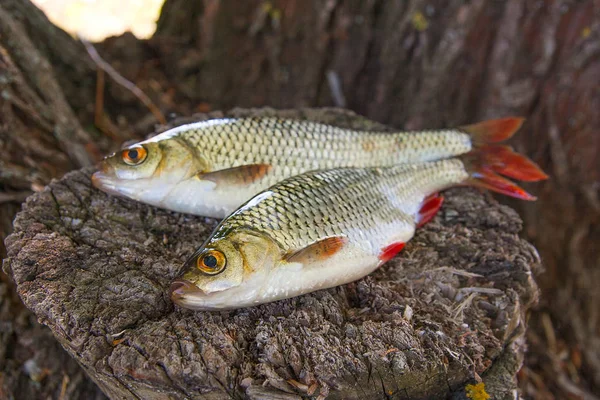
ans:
x=242 y=175
x=317 y=251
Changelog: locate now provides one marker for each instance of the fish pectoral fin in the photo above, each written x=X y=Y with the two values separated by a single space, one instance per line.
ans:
x=317 y=251
x=242 y=175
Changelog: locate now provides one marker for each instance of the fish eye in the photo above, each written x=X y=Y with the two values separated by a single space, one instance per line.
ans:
x=134 y=155
x=211 y=262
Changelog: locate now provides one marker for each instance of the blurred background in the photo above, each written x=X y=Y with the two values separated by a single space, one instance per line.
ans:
x=97 y=19
x=410 y=64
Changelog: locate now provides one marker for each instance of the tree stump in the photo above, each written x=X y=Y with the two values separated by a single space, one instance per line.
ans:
x=450 y=309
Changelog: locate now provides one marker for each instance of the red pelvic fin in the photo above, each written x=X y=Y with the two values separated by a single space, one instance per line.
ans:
x=488 y=179
x=494 y=130
x=431 y=205
x=388 y=252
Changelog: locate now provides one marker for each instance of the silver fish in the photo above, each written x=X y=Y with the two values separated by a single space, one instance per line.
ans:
x=322 y=229
x=211 y=167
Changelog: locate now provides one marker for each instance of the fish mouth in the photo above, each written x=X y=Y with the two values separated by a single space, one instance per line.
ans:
x=104 y=179
x=185 y=294
x=146 y=190
x=107 y=180
x=106 y=183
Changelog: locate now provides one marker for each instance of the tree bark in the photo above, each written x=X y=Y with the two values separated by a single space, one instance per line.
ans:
x=40 y=138
x=96 y=270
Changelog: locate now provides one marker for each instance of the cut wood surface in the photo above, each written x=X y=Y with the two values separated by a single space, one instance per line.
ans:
x=450 y=309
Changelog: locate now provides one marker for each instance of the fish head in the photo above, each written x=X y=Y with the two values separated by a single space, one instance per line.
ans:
x=148 y=170
x=226 y=273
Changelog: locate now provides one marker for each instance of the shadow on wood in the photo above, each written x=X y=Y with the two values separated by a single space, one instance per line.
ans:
x=450 y=308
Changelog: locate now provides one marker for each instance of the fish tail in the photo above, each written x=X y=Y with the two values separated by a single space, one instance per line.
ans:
x=505 y=161
x=493 y=130
x=501 y=159
x=488 y=179
x=486 y=164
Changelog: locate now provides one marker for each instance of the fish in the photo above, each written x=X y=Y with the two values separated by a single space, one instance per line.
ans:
x=211 y=167
x=326 y=228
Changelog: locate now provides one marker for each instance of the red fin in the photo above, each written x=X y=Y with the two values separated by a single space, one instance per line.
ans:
x=388 y=252
x=486 y=160
x=244 y=174
x=505 y=161
x=318 y=251
x=494 y=130
x=431 y=205
x=487 y=179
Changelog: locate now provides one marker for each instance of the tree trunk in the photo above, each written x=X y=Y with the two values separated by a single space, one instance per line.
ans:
x=409 y=64
x=426 y=64
x=47 y=86
x=96 y=270
x=40 y=138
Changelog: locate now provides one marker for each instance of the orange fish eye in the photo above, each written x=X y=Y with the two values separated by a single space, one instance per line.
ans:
x=211 y=262
x=134 y=155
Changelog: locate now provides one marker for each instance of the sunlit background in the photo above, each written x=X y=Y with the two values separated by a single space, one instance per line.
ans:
x=97 y=19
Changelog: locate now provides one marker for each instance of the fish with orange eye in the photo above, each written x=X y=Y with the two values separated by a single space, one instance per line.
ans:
x=211 y=262
x=326 y=228
x=134 y=155
x=162 y=173
x=211 y=167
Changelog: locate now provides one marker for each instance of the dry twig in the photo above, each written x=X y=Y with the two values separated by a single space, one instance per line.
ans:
x=106 y=67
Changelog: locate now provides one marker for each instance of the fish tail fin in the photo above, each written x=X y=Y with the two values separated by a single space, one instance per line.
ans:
x=500 y=158
x=488 y=179
x=493 y=130
x=505 y=161
x=487 y=162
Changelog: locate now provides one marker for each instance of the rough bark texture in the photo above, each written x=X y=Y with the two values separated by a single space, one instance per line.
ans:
x=428 y=64
x=33 y=364
x=40 y=138
x=409 y=64
x=47 y=85
x=95 y=269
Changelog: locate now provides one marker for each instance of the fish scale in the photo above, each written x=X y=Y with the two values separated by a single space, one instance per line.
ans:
x=388 y=196
x=211 y=167
x=329 y=227
x=305 y=145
